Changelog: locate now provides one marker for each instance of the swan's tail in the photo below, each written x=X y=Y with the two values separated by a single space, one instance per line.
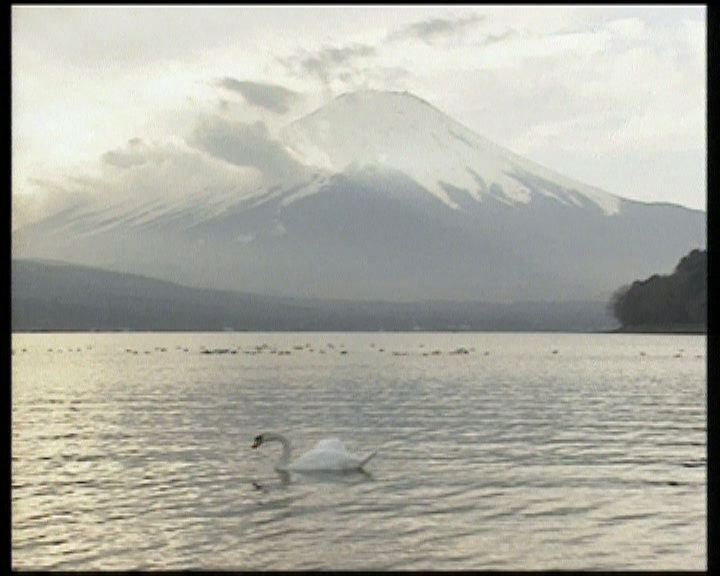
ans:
x=374 y=452
x=368 y=458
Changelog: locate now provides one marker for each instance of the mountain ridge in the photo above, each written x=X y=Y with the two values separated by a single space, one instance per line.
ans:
x=381 y=202
x=63 y=297
x=364 y=108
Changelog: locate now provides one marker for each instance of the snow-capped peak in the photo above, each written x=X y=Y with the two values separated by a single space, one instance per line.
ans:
x=404 y=132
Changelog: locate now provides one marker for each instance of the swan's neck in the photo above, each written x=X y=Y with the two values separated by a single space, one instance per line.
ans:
x=285 y=456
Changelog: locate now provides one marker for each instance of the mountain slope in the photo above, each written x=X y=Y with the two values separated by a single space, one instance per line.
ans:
x=375 y=196
x=55 y=296
x=402 y=131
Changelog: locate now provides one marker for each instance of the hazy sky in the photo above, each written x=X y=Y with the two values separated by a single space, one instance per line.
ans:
x=612 y=96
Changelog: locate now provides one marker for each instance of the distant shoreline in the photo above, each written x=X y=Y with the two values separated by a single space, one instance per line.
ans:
x=631 y=330
x=682 y=329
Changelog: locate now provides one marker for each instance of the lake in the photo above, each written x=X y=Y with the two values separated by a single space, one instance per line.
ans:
x=497 y=451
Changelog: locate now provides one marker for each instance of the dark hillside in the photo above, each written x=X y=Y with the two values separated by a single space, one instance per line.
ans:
x=673 y=303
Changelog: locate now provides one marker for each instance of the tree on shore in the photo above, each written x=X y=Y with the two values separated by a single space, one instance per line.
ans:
x=676 y=300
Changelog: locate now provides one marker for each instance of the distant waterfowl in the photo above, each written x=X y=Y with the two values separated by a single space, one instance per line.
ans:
x=460 y=351
x=327 y=455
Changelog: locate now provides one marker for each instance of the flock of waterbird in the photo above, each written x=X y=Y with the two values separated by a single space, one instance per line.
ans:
x=328 y=348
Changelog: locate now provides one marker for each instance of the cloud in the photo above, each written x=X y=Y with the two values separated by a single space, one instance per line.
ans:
x=270 y=97
x=124 y=35
x=518 y=90
x=375 y=76
x=218 y=158
x=47 y=198
x=171 y=176
x=498 y=38
x=434 y=29
x=249 y=145
x=633 y=29
x=694 y=33
x=329 y=63
x=132 y=155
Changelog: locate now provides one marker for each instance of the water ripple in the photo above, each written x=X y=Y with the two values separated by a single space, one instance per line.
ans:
x=592 y=460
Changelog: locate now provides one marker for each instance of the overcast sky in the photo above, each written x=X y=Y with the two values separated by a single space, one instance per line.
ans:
x=612 y=96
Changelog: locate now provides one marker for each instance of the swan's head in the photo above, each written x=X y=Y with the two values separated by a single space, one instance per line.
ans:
x=258 y=441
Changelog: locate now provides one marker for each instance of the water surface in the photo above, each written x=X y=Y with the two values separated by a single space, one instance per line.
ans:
x=530 y=451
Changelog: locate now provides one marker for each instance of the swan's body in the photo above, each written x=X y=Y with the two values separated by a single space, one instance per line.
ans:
x=329 y=455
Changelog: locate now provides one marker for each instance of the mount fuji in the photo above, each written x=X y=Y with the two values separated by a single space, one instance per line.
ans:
x=374 y=196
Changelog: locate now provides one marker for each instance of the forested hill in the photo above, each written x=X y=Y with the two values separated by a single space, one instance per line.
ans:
x=673 y=303
x=49 y=296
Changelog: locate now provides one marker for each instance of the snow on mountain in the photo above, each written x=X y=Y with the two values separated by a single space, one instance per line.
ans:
x=394 y=130
x=376 y=195
x=400 y=130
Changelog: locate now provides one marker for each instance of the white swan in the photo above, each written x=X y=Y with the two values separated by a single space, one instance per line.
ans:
x=329 y=454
